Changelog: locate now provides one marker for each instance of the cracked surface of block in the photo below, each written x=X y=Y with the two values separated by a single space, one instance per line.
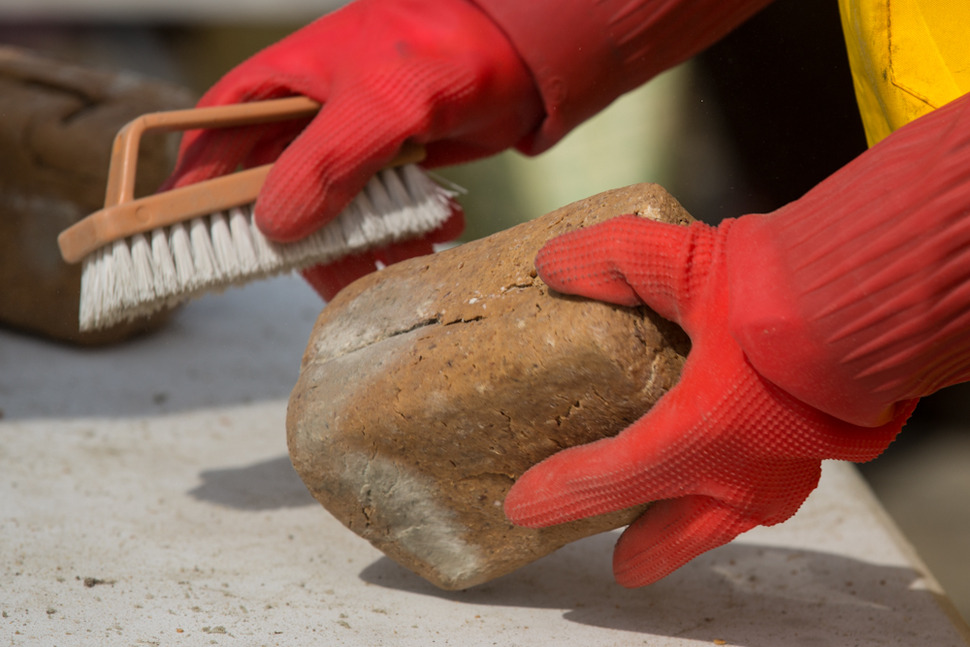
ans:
x=427 y=388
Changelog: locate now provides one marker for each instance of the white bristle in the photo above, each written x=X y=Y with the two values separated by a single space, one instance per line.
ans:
x=203 y=256
x=265 y=250
x=181 y=247
x=222 y=245
x=397 y=193
x=142 y=284
x=163 y=262
x=242 y=239
x=92 y=276
x=371 y=225
x=144 y=273
x=353 y=224
x=122 y=272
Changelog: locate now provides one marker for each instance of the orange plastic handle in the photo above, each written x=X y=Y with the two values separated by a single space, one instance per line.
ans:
x=124 y=216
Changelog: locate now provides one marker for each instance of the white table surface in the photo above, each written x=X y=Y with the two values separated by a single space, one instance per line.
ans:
x=146 y=498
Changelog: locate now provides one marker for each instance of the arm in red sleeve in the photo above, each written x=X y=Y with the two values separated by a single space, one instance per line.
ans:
x=856 y=297
x=583 y=55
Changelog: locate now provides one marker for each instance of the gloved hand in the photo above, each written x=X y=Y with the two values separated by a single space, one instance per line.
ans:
x=815 y=330
x=723 y=451
x=438 y=72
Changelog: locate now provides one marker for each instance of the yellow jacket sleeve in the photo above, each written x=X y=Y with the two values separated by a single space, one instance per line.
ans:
x=908 y=57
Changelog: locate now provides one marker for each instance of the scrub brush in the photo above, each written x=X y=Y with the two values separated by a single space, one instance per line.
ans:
x=142 y=255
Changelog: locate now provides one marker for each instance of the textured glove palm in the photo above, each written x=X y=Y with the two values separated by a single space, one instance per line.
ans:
x=438 y=72
x=722 y=452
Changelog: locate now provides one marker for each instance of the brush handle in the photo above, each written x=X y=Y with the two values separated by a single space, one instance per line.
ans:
x=159 y=210
x=124 y=155
x=125 y=216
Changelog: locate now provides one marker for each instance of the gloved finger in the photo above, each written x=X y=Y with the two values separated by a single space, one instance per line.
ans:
x=404 y=250
x=670 y=534
x=209 y=153
x=330 y=278
x=655 y=458
x=451 y=228
x=327 y=166
x=626 y=260
x=270 y=140
x=581 y=262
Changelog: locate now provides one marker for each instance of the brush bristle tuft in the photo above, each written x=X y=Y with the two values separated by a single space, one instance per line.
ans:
x=145 y=273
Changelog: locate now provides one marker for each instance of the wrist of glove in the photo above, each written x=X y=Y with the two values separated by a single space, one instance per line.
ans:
x=855 y=297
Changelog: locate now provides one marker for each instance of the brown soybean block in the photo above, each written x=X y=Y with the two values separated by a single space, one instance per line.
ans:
x=429 y=387
x=59 y=121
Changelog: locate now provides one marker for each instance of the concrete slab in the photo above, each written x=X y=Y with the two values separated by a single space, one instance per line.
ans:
x=146 y=498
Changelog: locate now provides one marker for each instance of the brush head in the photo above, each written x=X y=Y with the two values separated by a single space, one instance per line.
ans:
x=157 y=269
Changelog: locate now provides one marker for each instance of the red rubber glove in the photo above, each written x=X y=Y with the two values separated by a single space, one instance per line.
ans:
x=467 y=78
x=723 y=451
x=862 y=287
x=438 y=72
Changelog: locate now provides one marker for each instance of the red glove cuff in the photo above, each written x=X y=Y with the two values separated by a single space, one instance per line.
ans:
x=583 y=55
x=856 y=298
